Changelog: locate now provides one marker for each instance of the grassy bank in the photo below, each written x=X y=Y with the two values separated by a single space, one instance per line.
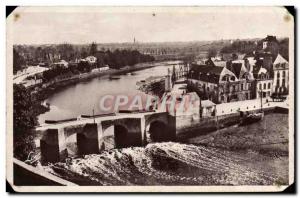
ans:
x=262 y=145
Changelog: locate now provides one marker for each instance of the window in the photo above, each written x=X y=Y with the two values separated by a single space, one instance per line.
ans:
x=269 y=85
x=283 y=74
x=242 y=86
x=222 y=99
x=265 y=86
x=277 y=84
x=278 y=74
x=259 y=86
x=283 y=82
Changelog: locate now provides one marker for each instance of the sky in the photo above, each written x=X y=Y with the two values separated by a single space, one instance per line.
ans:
x=80 y=25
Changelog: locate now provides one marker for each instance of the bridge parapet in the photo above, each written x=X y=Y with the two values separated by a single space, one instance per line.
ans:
x=95 y=135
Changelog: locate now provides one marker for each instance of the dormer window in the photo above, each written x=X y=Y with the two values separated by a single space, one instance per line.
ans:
x=224 y=78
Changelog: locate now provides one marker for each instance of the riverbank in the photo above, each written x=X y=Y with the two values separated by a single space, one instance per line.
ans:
x=191 y=127
x=45 y=90
x=60 y=83
x=262 y=145
x=237 y=155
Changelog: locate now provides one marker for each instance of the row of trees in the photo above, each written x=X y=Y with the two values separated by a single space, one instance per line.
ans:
x=281 y=47
x=30 y=55
x=120 y=58
x=240 y=46
x=116 y=59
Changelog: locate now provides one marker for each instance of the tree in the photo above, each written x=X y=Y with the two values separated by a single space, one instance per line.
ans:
x=212 y=52
x=93 y=49
x=24 y=118
x=84 y=66
x=18 y=61
x=284 y=48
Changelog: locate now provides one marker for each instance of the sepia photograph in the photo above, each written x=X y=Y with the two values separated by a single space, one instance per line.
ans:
x=150 y=99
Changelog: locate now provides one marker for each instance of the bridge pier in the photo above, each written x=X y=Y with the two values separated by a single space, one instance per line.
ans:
x=94 y=137
x=87 y=140
x=171 y=128
x=53 y=145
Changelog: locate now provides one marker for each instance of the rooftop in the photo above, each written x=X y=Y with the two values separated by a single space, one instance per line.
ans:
x=207 y=73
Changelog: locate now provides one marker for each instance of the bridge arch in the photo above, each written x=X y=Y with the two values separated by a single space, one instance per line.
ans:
x=157 y=131
x=159 y=127
x=121 y=136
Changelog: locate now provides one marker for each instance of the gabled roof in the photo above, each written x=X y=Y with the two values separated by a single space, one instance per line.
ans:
x=279 y=59
x=220 y=63
x=251 y=60
x=270 y=38
x=227 y=56
x=90 y=57
x=207 y=103
x=241 y=56
x=207 y=73
x=236 y=68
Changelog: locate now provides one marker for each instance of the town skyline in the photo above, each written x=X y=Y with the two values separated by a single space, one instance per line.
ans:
x=156 y=42
x=148 y=26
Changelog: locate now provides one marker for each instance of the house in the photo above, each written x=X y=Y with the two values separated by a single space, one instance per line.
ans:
x=241 y=68
x=217 y=84
x=187 y=104
x=215 y=62
x=100 y=69
x=251 y=62
x=30 y=76
x=61 y=63
x=91 y=60
x=241 y=56
x=281 y=75
x=241 y=71
x=263 y=82
x=226 y=56
x=208 y=108
x=220 y=63
x=265 y=59
x=270 y=44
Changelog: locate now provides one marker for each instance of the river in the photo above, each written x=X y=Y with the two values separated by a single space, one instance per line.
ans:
x=250 y=155
x=83 y=97
x=237 y=155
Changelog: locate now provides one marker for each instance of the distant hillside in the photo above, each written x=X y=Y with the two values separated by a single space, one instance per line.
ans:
x=248 y=46
x=159 y=50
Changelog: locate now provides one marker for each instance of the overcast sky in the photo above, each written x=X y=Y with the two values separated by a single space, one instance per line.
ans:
x=103 y=25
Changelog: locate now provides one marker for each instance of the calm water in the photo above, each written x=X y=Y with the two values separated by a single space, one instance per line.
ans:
x=208 y=160
x=83 y=97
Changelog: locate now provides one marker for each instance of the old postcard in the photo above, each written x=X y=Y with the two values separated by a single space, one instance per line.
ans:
x=150 y=99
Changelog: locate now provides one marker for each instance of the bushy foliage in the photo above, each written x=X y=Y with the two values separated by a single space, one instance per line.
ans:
x=24 y=119
x=18 y=61
x=240 y=46
x=121 y=58
x=116 y=59
x=284 y=48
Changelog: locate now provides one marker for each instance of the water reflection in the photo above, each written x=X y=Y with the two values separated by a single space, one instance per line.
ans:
x=83 y=97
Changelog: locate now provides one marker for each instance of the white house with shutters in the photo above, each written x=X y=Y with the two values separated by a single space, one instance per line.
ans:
x=281 y=75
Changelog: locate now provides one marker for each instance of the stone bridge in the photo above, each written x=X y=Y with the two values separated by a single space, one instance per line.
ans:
x=93 y=135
